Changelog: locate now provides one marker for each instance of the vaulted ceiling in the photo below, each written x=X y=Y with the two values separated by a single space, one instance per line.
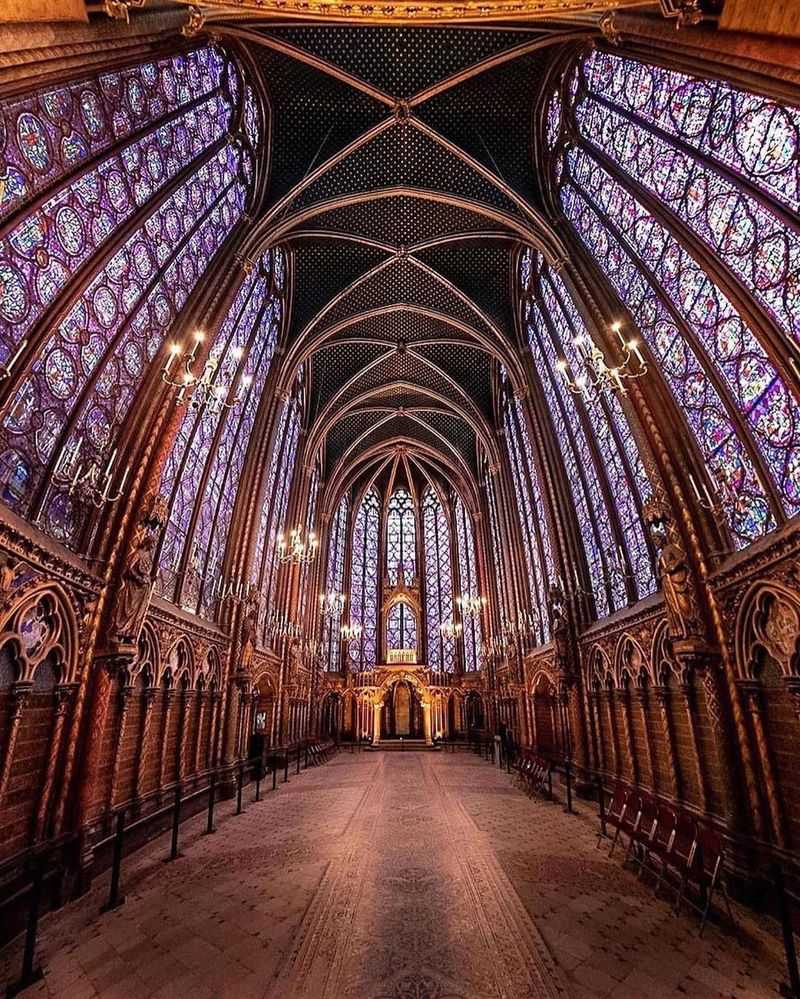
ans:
x=401 y=180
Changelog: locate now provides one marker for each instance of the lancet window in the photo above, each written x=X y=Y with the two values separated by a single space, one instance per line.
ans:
x=154 y=152
x=439 y=607
x=685 y=191
x=469 y=583
x=334 y=583
x=364 y=582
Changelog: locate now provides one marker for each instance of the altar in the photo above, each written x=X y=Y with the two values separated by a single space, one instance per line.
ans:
x=401 y=703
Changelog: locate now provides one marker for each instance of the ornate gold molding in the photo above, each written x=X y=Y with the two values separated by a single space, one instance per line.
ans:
x=410 y=11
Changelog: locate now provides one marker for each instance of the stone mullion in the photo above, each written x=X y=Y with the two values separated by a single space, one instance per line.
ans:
x=661 y=695
x=624 y=700
x=148 y=702
x=754 y=699
x=690 y=708
x=63 y=696
x=125 y=697
x=20 y=693
x=642 y=700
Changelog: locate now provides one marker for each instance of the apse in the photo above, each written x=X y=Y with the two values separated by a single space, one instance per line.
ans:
x=391 y=381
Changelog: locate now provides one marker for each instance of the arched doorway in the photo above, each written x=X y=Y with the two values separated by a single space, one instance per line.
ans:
x=473 y=710
x=401 y=712
x=331 y=716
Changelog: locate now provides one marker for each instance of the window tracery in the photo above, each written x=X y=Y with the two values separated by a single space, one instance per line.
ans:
x=469 y=582
x=439 y=605
x=148 y=150
x=665 y=168
x=334 y=583
x=201 y=473
x=364 y=582
x=275 y=500
x=535 y=534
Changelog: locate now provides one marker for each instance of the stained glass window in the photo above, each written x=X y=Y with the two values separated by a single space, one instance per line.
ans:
x=202 y=471
x=439 y=605
x=334 y=583
x=401 y=538
x=364 y=582
x=275 y=500
x=666 y=160
x=148 y=148
x=469 y=583
x=310 y=525
x=496 y=535
x=535 y=534
x=609 y=441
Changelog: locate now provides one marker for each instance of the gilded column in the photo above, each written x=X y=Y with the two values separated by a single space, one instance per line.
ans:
x=167 y=701
x=608 y=698
x=754 y=701
x=624 y=699
x=148 y=700
x=183 y=731
x=63 y=697
x=125 y=695
x=202 y=700
x=690 y=707
x=640 y=693
x=661 y=695
x=20 y=693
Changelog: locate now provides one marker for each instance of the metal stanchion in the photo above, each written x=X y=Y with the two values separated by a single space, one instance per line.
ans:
x=115 y=900
x=286 y=767
x=297 y=771
x=274 y=772
x=305 y=762
x=31 y=972
x=176 y=822
x=258 y=782
x=212 y=797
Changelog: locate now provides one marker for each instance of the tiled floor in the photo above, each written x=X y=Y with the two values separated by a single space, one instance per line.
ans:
x=389 y=876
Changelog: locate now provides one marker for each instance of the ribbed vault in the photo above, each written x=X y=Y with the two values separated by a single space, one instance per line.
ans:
x=403 y=198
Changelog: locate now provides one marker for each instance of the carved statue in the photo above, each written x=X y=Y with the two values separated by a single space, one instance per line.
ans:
x=249 y=628
x=559 y=620
x=7 y=574
x=674 y=573
x=136 y=584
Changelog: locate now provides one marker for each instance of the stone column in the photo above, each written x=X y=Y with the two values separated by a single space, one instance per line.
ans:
x=690 y=707
x=167 y=702
x=202 y=700
x=754 y=702
x=125 y=696
x=661 y=695
x=149 y=699
x=640 y=693
x=376 y=725
x=20 y=693
x=183 y=727
x=608 y=697
x=63 y=695
x=624 y=699
x=426 y=721
x=213 y=722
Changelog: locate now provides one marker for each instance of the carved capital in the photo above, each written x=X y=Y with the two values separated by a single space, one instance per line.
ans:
x=20 y=693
